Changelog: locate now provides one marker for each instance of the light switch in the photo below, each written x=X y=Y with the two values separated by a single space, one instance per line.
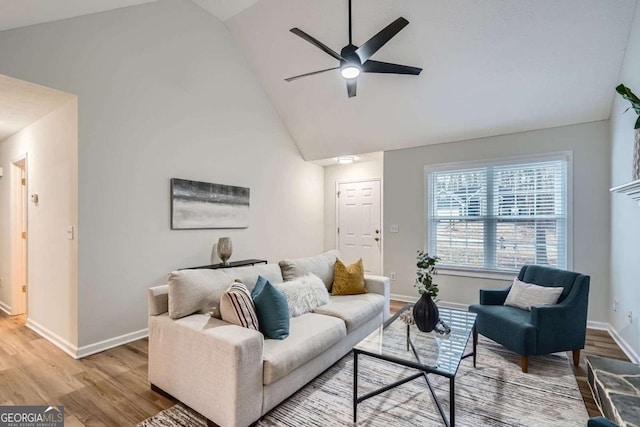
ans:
x=394 y=228
x=70 y=232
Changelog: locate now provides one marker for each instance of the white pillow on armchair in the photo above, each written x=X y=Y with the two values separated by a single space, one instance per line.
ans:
x=526 y=295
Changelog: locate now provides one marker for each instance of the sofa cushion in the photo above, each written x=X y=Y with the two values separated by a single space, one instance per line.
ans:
x=354 y=310
x=309 y=336
x=199 y=291
x=304 y=294
x=320 y=265
x=509 y=326
x=273 y=312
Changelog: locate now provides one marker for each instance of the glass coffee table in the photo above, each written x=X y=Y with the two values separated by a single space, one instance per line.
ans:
x=430 y=353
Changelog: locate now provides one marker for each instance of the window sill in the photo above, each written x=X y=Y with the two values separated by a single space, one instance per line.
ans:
x=479 y=274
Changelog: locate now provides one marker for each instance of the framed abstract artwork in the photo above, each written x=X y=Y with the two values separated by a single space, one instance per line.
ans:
x=200 y=205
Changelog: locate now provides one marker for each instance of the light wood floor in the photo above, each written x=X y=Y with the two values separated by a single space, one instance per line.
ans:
x=111 y=388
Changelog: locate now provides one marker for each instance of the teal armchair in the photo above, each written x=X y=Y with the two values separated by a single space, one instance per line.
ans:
x=544 y=329
x=600 y=422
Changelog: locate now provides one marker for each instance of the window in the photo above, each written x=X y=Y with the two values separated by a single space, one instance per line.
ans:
x=499 y=216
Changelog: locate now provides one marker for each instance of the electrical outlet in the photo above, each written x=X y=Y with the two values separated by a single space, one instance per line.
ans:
x=630 y=316
x=393 y=276
x=394 y=228
x=616 y=305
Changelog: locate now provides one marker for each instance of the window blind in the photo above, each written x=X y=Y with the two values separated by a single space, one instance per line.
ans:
x=499 y=217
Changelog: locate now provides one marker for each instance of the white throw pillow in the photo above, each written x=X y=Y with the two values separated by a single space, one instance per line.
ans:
x=304 y=294
x=526 y=295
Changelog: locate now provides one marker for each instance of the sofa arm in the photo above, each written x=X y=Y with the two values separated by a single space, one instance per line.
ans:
x=600 y=422
x=212 y=366
x=382 y=286
x=493 y=296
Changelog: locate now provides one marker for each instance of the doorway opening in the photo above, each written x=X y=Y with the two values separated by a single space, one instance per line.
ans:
x=19 y=235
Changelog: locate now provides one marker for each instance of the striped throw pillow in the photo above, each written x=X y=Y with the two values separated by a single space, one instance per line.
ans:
x=236 y=306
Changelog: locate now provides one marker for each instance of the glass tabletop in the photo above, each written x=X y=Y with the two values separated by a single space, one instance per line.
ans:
x=407 y=345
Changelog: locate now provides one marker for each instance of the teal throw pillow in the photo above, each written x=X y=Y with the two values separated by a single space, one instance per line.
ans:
x=259 y=286
x=272 y=310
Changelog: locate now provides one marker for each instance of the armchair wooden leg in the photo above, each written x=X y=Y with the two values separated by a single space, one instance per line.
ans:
x=576 y=357
x=524 y=364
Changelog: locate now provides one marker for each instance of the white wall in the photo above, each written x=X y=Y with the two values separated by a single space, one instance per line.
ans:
x=405 y=199
x=359 y=171
x=164 y=92
x=51 y=145
x=625 y=213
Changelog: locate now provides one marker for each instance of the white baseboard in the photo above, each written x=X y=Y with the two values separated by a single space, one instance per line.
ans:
x=403 y=298
x=53 y=338
x=603 y=326
x=4 y=307
x=87 y=350
x=628 y=350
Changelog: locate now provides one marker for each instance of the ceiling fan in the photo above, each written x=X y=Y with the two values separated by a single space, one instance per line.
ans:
x=355 y=60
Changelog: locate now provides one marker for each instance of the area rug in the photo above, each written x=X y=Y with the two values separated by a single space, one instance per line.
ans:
x=496 y=393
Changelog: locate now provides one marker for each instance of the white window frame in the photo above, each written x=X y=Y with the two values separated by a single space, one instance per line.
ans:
x=485 y=272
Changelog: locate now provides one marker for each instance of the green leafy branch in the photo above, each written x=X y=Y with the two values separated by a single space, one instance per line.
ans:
x=627 y=94
x=426 y=270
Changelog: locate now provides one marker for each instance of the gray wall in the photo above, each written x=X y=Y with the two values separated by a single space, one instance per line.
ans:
x=164 y=92
x=625 y=213
x=404 y=205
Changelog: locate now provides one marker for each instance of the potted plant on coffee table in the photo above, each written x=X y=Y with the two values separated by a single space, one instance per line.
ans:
x=425 y=311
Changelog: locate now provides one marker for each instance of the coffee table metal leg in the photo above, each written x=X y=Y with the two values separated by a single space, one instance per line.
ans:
x=355 y=386
x=452 y=402
x=475 y=344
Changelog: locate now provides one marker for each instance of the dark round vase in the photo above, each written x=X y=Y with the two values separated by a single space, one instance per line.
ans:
x=425 y=313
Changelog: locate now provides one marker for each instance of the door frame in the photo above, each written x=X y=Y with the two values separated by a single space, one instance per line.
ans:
x=19 y=253
x=337 y=213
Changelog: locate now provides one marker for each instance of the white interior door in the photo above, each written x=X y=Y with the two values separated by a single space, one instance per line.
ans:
x=359 y=223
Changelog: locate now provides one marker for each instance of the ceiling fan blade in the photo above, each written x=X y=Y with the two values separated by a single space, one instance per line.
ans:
x=367 y=50
x=352 y=84
x=298 y=32
x=372 y=66
x=310 y=74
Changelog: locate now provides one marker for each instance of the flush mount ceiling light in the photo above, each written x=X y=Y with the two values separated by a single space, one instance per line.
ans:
x=350 y=72
x=345 y=160
x=355 y=60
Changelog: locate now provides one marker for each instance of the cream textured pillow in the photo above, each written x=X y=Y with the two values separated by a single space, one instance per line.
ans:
x=195 y=291
x=304 y=294
x=320 y=265
x=236 y=306
x=526 y=295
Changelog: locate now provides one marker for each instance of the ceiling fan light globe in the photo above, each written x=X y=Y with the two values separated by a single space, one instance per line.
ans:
x=350 y=72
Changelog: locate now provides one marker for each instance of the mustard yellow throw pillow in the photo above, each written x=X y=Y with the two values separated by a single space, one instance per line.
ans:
x=348 y=280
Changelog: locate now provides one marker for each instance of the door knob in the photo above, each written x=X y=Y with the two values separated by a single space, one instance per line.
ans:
x=377 y=239
x=377 y=231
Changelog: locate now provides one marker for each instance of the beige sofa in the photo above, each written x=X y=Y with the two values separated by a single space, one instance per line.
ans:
x=232 y=375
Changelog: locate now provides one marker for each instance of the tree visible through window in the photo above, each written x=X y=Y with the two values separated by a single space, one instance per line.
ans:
x=499 y=217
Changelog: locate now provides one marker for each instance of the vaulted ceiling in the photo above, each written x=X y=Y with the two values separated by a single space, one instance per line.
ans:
x=490 y=67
